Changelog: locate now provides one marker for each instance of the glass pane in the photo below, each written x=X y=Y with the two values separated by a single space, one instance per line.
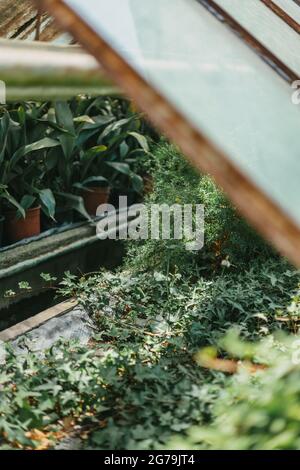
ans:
x=215 y=80
x=268 y=28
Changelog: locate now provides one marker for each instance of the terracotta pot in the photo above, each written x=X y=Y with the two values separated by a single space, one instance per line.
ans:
x=1 y=229
x=17 y=229
x=94 y=198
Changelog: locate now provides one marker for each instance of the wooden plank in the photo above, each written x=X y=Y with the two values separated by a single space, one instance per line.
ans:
x=37 y=320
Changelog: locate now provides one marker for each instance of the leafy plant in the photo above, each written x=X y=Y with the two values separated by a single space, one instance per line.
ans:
x=20 y=171
x=51 y=153
x=137 y=383
x=255 y=411
x=229 y=240
x=96 y=149
x=141 y=383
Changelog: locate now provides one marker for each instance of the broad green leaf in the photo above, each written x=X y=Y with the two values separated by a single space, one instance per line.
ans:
x=120 y=167
x=75 y=202
x=51 y=159
x=93 y=179
x=14 y=203
x=27 y=201
x=84 y=118
x=64 y=116
x=116 y=126
x=94 y=151
x=48 y=202
x=4 y=129
x=64 y=119
x=142 y=140
x=124 y=149
x=40 y=145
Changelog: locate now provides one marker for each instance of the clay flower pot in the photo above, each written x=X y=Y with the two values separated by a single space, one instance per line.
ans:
x=94 y=197
x=17 y=229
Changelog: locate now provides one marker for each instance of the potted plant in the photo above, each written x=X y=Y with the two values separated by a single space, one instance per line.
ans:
x=62 y=164
x=92 y=135
x=107 y=157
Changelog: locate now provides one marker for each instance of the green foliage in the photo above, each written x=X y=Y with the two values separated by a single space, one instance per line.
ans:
x=227 y=236
x=258 y=411
x=137 y=383
x=252 y=300
x=138 y=380
x=50 y=153
x=24 y=143
x=98 y=147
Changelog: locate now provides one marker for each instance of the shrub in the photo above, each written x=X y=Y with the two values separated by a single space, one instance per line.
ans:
x=227 y=235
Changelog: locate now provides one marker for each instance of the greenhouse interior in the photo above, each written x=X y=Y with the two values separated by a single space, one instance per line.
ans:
x=150 y=227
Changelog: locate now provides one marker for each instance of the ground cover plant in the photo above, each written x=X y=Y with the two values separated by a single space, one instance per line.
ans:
x=227 y=235
x=255 y=412
x=148 y=379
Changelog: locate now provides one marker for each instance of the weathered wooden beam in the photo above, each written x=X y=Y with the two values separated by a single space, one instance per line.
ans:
x=16 y=18
x=34 y=70
x=20 y=19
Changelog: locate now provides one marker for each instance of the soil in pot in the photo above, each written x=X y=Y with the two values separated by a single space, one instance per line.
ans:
x=16 y=229
x=94 y=197
x=1 y=230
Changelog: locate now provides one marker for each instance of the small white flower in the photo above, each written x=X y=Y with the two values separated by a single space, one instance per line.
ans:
x=226 y=263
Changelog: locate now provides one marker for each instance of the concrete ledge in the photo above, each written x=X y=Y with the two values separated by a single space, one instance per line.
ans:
x=36 y=321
